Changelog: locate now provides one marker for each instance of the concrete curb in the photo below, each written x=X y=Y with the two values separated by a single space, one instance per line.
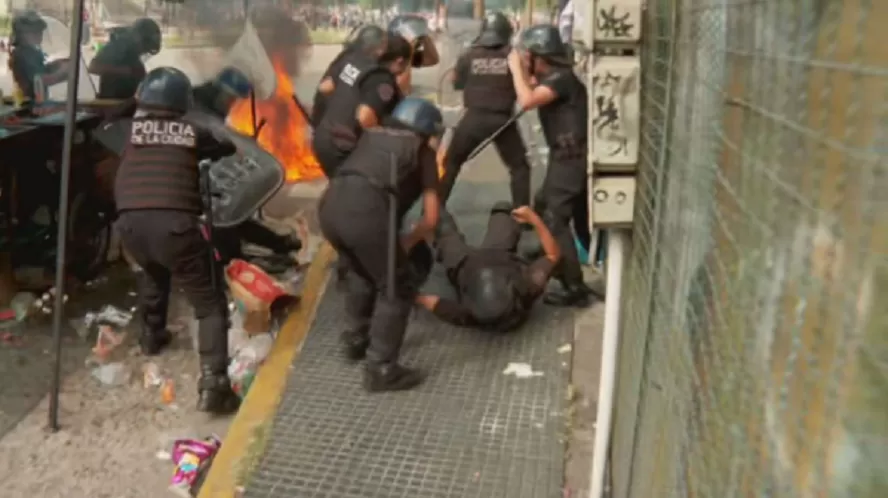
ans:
x=259 y=407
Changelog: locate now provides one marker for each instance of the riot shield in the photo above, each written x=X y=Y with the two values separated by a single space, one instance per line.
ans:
x=57 y=46
x=240 y=184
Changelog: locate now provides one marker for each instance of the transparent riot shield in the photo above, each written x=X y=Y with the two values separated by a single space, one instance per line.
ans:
x=57 y=47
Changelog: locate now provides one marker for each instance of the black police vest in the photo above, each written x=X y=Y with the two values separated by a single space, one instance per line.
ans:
x=159 y=169
x=381 y=149
x=565 y=122
x=319 y=104
x=489 y=83
x=339 y=125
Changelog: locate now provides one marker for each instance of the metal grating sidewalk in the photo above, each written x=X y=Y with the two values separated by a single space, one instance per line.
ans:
x=469 y=431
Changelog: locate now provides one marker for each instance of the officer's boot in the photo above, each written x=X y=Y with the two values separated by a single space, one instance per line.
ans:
x=379 y=377
x=576 y=294
x=355 y=342
x=382 y=370
x=214 y=392
x=153 y=342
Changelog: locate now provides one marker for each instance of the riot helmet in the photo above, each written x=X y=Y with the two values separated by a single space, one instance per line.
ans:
x=419 y=115
x=165 y=89
x=148 y=34
x=367 y=38
x=234 y=82
x=496 y=31
x=415 y=30
x=25 y=24
x=492 y=298
x=544 y=41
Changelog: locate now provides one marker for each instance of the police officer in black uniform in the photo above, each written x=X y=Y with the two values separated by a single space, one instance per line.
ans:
x=27 y=61
x=354 y=217
x=119 y=63
x=423 y=52
x=369 y=40
x=495 y=288
x=561 y=100
x=489 y=98
x=157 y=191
x=365 y=92
x=217 y=95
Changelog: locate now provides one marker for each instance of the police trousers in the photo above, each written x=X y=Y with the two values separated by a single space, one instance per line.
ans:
x=330 y=151
x=561 y=194
x=353 y=215
x=580 y=215
x=476 y=126
x=502 y=234
x=168 y=244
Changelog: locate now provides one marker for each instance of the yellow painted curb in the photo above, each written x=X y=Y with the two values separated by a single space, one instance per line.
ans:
x=262 y=401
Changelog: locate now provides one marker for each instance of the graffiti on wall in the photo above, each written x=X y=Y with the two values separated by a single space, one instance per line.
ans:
x=615 y=110
x=617 y=21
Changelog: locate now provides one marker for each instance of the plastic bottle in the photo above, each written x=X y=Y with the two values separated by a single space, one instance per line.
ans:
x=39 y=90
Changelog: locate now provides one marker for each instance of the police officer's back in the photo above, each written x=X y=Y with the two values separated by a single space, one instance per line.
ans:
x=354 y=217
x=489 y=98
x=365 y=92
x=561 y=100
x=119 y=64
x=369 y=40
x=27 y=61
x=157 y=191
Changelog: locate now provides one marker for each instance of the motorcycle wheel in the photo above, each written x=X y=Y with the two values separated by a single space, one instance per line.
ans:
x=89 y=237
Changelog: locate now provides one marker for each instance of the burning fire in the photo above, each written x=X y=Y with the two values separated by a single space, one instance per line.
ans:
x=286 y=133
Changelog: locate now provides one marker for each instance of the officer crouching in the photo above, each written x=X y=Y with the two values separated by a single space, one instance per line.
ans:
x=157 y=191
x=495 y=288
x=365 y=92
x=369 y=41
x=354 y=217
x=561 y=100
x=489 y=98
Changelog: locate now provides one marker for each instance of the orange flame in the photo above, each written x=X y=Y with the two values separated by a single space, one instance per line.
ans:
x=286 y=132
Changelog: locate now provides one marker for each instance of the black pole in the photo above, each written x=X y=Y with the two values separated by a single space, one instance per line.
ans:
x=393 y=228
x=489 y=140
x=62 y=234
x=252 y=93
x=206 y=179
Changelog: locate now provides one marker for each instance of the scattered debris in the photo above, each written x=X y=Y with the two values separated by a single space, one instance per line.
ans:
x=168 y=392
x=107 y=341
x=192 y=458
x=567 y=348
x=151 y=375
x=246 y=361
x=521 y=370
x=20 y=307
x=112 y=374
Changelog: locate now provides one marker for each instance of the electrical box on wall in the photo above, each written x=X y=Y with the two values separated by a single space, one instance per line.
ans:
x=617 y=21
x=612 y=201
x=615 y=109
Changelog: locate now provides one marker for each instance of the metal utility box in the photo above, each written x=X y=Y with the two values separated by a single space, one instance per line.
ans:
x=614 y=100
x=612 y=201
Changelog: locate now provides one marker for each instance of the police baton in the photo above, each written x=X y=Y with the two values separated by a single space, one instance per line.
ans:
x=393 y=227
x=208 y=217
x=489 y=140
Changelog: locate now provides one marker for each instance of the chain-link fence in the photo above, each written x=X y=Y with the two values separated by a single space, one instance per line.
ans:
x=754 y=356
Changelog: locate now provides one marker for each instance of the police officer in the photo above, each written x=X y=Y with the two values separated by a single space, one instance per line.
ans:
x=119 y=64
x=489 y=98
x=423 y=52
x=495 y=288
x=27 y=61
x=369 y=40
x=365 y=92
x=354 y=218
x=157 y=191
x=219 y=94
x=216 y=97
x=561 y=100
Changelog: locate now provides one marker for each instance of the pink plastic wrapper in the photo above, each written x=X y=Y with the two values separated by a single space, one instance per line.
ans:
x=191 y=457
